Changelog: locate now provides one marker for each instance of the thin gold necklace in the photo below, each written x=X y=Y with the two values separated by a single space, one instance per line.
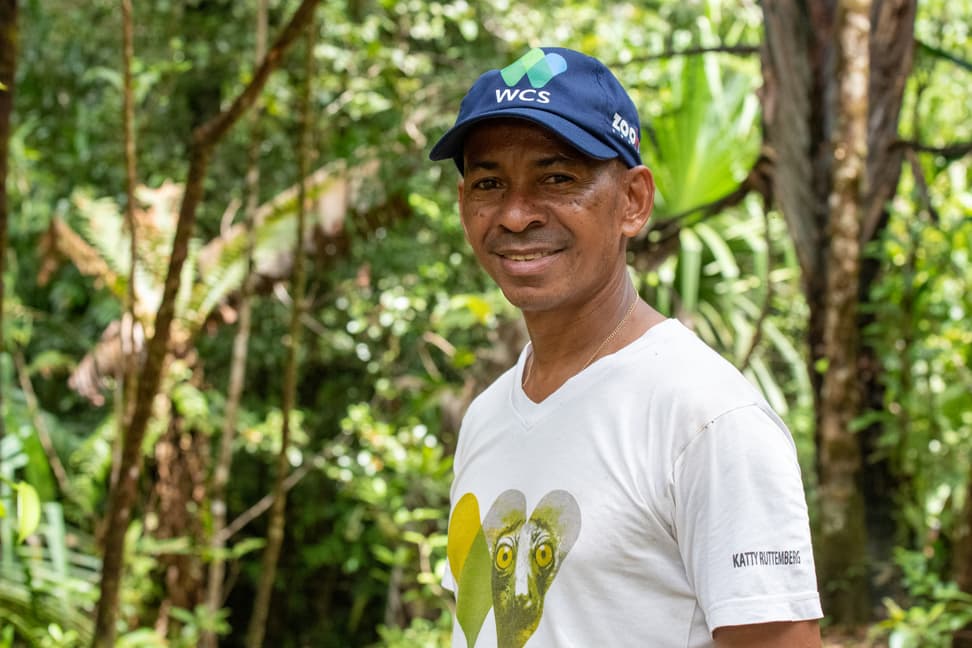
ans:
x=634 y=302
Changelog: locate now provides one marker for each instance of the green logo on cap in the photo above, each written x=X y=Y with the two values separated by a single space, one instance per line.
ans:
x=538 y=67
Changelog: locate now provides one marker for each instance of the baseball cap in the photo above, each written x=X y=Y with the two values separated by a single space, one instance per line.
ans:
x=572 y=94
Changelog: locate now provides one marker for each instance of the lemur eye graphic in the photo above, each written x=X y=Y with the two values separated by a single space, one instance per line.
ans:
x=543 y=554
x=504 y=554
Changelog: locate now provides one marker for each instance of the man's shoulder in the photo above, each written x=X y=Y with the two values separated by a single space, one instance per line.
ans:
x=678 y=373
x=675 y=353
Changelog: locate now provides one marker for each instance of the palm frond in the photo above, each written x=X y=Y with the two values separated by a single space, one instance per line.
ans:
x=704 y=145
x=100 y=222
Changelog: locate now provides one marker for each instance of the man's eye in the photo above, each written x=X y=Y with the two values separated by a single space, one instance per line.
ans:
x=486 y=183
x=557 y=178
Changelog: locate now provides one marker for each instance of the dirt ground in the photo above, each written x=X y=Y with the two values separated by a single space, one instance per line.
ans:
x=833 y=638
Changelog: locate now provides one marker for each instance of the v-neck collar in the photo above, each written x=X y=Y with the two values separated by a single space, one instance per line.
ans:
x=531 y=412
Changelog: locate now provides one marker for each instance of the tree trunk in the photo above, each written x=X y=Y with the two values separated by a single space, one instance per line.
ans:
x=221 y=471
x=179 y=489
x=805 y=89
x=839 y=457
x=8 y=68
x=891 y=53
x=834 y=75
x=122 y=497
x=962 y=564
x=276 y=526
x=128 y=368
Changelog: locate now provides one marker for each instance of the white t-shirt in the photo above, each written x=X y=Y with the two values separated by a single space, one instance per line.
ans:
x=651 y=499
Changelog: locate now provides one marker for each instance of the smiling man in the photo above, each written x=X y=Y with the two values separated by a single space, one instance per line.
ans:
x=622 y=485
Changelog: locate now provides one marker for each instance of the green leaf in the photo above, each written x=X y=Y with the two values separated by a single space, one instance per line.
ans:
x=249 y=545
x=28 y=510
x=182 y=614
x=690 y=269
x=720 y=250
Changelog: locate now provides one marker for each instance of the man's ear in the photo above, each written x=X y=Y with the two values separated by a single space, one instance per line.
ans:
x=639 y=187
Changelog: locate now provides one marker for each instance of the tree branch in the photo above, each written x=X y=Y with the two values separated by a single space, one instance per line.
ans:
x=43 y=435
x=276 y=528
x=757 y=180
x=8 y=68
x=221 y=472
x=212 y=130
x=128 y=371
x=949 y=152
x=921 y=184
x=264 y=503
x=764 y=311
x=737 y=50
x=942 y=54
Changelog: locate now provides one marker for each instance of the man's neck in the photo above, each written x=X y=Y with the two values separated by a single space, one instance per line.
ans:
x=563 y=345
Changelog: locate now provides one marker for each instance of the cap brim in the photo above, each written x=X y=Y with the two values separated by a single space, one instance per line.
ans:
x=451 y=144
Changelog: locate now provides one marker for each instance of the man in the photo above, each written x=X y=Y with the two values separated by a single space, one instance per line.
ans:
x=622 y=485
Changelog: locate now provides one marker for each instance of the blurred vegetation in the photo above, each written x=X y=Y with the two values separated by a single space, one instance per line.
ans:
x=402 y=328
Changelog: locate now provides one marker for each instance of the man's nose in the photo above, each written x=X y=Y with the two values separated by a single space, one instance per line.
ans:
x=520 y=211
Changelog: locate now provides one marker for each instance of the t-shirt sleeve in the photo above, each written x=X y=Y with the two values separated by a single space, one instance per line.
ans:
x=741 y=522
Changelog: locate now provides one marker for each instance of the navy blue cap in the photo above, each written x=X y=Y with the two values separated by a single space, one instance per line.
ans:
x=572 y=94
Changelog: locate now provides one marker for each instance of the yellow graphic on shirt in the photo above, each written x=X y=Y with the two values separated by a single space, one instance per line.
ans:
x=470 y=563
x=508 y=562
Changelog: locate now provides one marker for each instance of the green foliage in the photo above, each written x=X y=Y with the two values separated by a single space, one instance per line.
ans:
x=421 y=632
x=921 y=307
x=398 y=482
x=936 y=611
x=919 y=310
x=196 y=621
x=47 y=586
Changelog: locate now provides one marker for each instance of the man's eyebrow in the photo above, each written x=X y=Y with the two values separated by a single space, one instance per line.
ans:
x=487 y=165
x=553 y=160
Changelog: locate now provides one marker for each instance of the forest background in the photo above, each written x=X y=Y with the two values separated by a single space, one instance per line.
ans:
x=245 y=436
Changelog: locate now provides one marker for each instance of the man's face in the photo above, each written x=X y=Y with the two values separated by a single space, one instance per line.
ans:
x=546 y=222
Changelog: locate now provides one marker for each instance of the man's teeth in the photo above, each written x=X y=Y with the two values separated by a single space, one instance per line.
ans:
x=525 y=257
